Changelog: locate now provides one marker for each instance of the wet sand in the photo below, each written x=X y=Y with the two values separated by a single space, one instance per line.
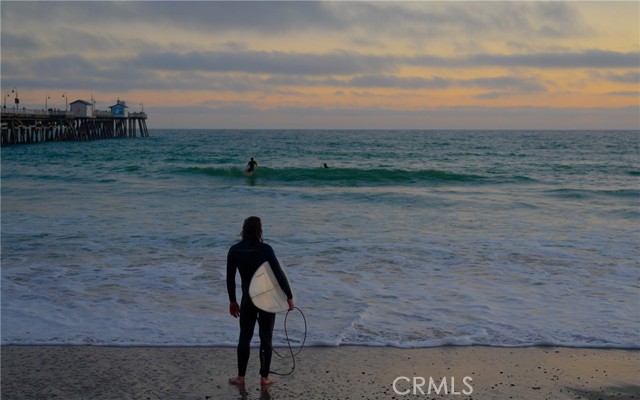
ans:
x=94 y=372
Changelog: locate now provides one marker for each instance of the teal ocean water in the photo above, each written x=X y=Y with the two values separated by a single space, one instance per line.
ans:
x=408 y=239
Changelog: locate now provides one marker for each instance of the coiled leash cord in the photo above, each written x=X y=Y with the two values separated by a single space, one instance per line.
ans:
x=292 y=354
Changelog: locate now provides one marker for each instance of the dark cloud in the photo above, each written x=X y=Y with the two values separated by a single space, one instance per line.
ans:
x=204 y=16
x=345 y=63
x=18 y=42
x=253 y=16
x=70 y=39
x=493 y=95
x=584 y=59
x=68 y=66
x=512 y=83
x=390 y=81
x=265 y=62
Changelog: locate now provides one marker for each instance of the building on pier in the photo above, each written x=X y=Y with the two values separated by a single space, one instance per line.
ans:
x=82 y=109
x=119 y=110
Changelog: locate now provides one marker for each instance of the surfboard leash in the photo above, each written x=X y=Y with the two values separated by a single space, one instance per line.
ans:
x=292 y=354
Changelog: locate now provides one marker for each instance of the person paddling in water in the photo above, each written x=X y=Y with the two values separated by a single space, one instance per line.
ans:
x=251 y=165
x=246 y=257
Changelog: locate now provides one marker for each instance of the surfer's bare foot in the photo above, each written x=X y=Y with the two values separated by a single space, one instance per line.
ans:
x=266 y=381
x=238 y=380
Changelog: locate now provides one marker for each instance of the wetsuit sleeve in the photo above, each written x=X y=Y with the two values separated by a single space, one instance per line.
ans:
x=231 y=278
x=277 y=271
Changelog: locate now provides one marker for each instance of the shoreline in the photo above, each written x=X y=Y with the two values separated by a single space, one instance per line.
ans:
x=345 y=372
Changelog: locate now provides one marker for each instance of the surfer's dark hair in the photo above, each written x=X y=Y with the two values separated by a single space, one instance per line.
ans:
x=252 y=229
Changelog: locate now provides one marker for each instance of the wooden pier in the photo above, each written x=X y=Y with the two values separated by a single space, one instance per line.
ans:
x=37 y=126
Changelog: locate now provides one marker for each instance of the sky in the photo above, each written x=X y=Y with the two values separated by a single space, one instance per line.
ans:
x=331 y=65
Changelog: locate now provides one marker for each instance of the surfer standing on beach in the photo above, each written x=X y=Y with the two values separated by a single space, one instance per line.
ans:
x=246 y=257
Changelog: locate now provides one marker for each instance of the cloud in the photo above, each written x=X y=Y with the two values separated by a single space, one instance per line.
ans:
x=483 y=50
x=492 y=95
x=424 y=20
x=254 y=16
x=584 y=59
x=15 y=42
x=390 y=81
x=514 y=83
x=635 y=94
x=68 y=65
x=349 y=63
x=74 y=40
x=244 y=70
x=264 y=17
x=413 y=21
x=626 y=77
x=261 y=62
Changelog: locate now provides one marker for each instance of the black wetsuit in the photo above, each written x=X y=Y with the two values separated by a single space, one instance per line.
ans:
x=246 y=257
x=251 y=165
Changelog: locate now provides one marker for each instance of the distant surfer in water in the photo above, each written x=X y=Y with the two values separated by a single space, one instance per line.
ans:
x=246 y=257
x=251 y=165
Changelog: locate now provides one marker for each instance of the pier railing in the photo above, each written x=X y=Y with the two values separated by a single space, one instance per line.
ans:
x=24 y=112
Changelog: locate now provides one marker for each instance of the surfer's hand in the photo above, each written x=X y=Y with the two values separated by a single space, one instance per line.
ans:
x=234 y=310
x=291 y=305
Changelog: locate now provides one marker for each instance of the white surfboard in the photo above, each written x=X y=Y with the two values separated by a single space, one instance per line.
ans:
x=265 y=291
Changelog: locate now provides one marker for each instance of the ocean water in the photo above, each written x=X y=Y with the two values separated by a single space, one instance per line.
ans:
x=408 y=239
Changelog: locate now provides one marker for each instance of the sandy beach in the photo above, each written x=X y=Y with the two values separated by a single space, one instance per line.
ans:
x=93 y=372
